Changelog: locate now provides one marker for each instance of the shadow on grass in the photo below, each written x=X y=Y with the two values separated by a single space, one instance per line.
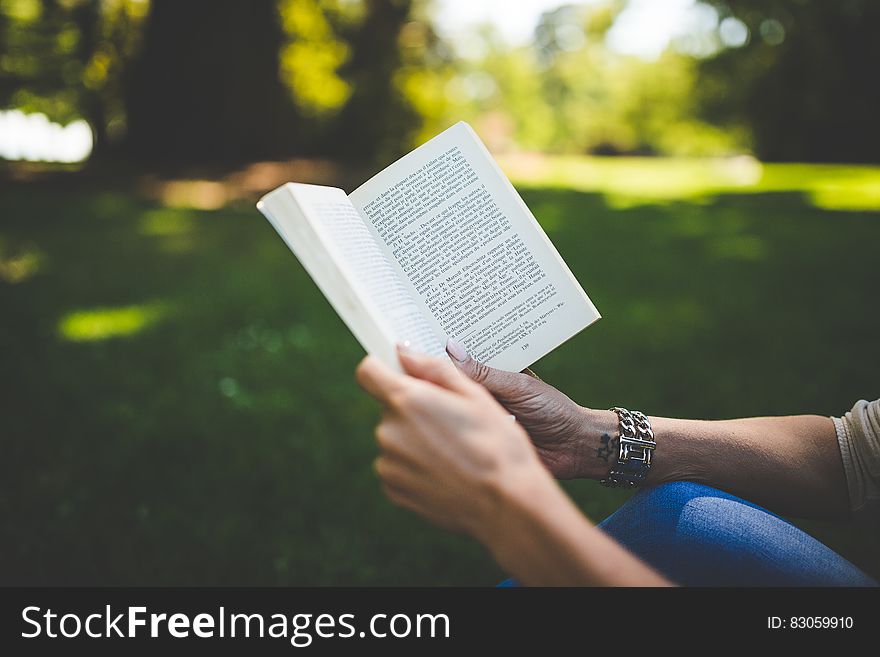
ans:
x=201 y=426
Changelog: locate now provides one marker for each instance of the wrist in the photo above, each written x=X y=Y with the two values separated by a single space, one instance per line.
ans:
x=679 y=459
x=539 y=536
x=680 y=451
x=596 y=447
x=516 y=497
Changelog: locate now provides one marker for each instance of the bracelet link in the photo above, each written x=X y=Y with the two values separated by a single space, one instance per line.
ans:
x=636 y=444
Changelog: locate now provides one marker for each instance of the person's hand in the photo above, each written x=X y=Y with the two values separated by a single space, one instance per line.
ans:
x=567 y=436
x=449 y=451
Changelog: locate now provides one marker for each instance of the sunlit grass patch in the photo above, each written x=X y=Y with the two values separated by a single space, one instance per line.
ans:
x=631 y=181
x=166 y=223
x=173 y=228
x=104 y=323
x=648 y=179
x=18 y=264
x=853 y=194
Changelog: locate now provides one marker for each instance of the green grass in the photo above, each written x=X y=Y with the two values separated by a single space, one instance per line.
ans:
x=177 y=398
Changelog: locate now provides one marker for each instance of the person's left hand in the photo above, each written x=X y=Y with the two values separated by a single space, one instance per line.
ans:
x=449 y=450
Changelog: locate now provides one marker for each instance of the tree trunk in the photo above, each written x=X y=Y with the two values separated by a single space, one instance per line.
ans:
x=205 y=88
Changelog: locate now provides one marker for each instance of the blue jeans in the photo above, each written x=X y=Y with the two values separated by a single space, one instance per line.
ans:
x=700 y=536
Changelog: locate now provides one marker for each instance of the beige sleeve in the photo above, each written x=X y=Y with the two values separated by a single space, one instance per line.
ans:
x=858 y=434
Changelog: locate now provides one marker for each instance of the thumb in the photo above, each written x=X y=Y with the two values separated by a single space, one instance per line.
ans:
x=498 y=382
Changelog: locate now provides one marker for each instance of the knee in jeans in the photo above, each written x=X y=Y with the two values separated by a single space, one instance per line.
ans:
x=672 y=495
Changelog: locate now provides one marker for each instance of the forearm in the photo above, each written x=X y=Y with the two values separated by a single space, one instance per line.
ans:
x=541 y=538
x=789 y=464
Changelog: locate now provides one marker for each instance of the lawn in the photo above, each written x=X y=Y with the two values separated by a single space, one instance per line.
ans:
x=177 y=398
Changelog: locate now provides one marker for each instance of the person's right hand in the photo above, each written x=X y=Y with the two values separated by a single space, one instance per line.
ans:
x=566 y=435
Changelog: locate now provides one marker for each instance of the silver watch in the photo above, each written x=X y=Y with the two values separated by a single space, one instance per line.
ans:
x=635 y=445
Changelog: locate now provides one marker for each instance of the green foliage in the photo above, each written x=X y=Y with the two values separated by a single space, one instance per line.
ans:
x=568 y=92
x=179 y=84
x=392 y=54
x=320 y=68
x=67 y=59
x=360 y=80
x=311 y=58
x=178 y=402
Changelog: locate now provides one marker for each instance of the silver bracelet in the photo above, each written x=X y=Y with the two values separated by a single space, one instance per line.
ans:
x=635 y=445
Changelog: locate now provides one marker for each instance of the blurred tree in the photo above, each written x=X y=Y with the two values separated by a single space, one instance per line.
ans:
x=804 y=83
x=66 y=59
x=178 y=84
x=568 y=92
x=366 y=73
x=608 y=103
x=506 y=88
x=206 y=86
x=314 y=49
x=581 y=78
x=375 y=112
x=391 y=57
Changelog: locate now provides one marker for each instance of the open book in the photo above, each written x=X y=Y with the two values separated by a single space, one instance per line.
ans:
x=438 y=245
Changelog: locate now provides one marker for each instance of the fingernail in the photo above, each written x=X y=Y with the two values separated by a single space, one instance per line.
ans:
x=457 y=350
x=405 y=347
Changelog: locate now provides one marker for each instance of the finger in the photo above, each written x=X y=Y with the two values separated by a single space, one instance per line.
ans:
x=434 y=370
x=379 y=380
x=498 y=382
x=398 y=497
x=529 y=372
x=392 y=440
x=394 y=472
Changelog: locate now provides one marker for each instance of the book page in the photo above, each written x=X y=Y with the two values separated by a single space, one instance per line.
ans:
x=329 y=237
x=472 y=253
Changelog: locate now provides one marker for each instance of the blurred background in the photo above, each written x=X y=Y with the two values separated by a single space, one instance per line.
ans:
x=177 y=403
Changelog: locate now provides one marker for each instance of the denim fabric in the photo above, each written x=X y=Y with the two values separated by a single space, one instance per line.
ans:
x=700 y=536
